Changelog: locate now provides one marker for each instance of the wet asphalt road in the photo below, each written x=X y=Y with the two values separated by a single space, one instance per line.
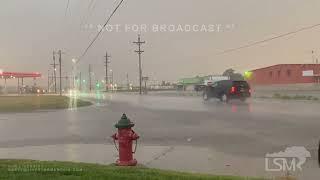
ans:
x=249 y=129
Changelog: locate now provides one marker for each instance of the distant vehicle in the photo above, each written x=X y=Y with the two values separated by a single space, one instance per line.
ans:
x=32 y=90
x=37 y=90
x=215 y=78
x=209 y=81
x=226 y=90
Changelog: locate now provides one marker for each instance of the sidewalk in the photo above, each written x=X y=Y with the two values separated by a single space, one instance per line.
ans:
x=180 y=158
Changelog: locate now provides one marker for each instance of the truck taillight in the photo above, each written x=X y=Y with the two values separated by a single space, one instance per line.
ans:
x=250 y=91
x=233 y=90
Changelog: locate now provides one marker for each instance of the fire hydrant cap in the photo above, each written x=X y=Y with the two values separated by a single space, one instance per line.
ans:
x=124 y=122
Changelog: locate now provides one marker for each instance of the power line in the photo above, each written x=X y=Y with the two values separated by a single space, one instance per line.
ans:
x=96 y=37
x=269 y=39
x=91 y=7
x=67 y=7
x=113 y=5
x=91 y=11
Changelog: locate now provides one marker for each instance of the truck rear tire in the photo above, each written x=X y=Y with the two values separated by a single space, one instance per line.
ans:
x=243 y=99
x=224 y=98
x=205 y=96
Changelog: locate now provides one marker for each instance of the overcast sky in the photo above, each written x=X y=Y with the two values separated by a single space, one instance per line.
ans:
x=31 y=29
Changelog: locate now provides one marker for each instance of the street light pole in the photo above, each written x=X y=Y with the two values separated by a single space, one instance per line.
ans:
x=106 y=64
x=74 y=70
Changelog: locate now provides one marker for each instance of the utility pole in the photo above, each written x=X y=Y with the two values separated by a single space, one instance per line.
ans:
x=18 y=85
x=74 y=75
x=5 y=85
x=106 y=64
x=111 y=76
x=112 y=83
x=54 y=71
x=60 y=72
x=128 y=84
x=67 y=86
x=312 y=54
x=48 y=81
x=145 y=79
x=139 y=51
x=90 y=72
x=52 y=76
x=80 y=86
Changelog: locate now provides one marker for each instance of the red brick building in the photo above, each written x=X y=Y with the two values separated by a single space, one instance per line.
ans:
x=286 y=74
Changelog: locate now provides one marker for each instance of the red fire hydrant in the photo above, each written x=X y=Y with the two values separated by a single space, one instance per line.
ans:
x=125 y=137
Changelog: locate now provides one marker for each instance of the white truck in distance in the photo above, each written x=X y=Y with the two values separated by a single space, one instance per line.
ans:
x=214 y=78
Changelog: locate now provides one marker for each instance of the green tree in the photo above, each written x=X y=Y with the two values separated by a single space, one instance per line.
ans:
x=233 y=75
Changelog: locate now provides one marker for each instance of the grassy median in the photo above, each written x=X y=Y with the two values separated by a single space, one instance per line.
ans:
x=29 y=170
x=31 y=103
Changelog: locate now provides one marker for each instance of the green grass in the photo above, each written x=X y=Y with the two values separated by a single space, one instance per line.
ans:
x=31 y=103
x=29 y=170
